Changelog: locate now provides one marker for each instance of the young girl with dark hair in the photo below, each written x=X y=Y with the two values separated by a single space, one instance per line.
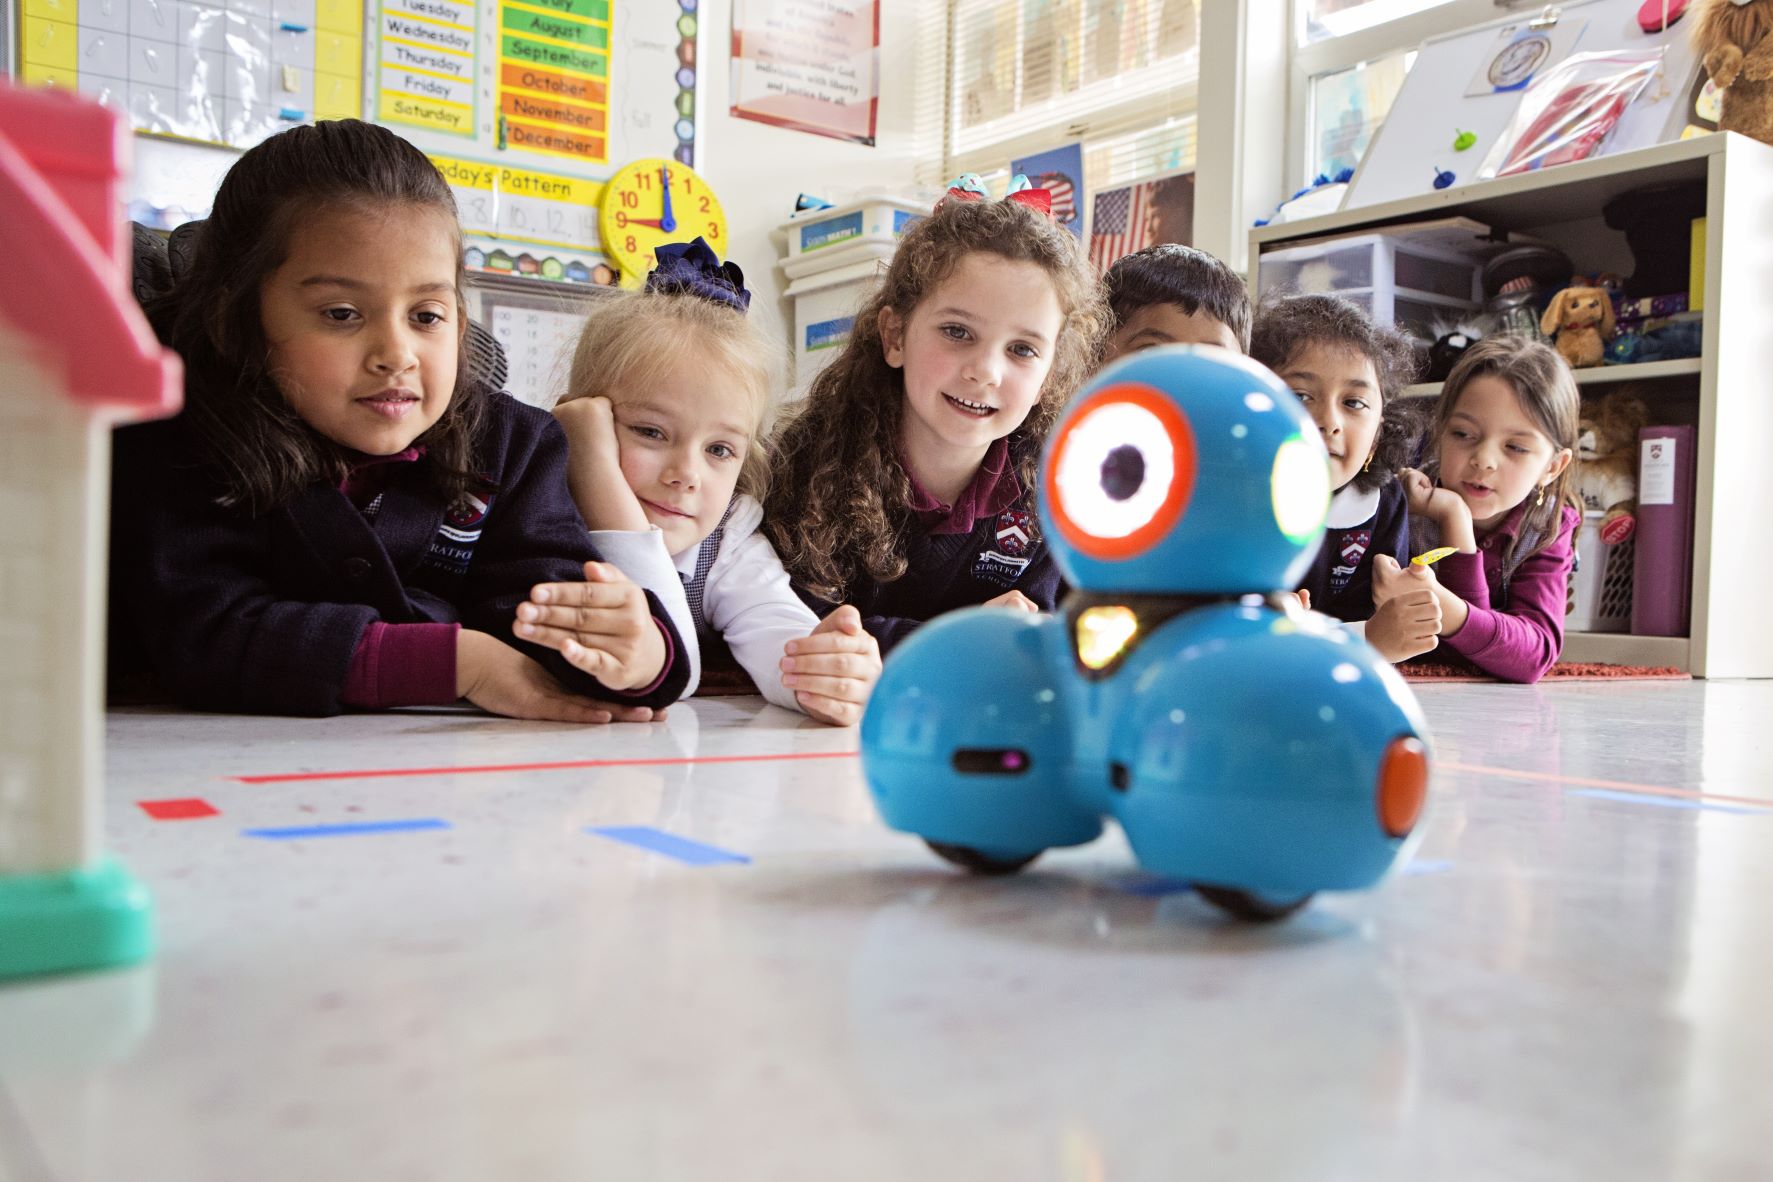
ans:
x=341 y=516
x=1346 y=369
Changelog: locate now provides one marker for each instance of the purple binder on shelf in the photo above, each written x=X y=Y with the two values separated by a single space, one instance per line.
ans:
x=1662 y=566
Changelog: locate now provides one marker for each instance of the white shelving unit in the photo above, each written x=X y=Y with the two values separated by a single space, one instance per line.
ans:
x=1732 y=627
x=1600 y=375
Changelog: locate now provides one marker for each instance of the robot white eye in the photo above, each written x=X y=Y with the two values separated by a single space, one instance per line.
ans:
x=1116 y=469
x=1121 y=471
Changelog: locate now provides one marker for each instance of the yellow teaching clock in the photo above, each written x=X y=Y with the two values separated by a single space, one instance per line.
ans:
x=652 y=202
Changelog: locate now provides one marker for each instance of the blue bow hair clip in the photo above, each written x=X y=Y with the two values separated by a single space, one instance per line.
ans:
x=692 y=268
x=969 y=183
x=968 y=187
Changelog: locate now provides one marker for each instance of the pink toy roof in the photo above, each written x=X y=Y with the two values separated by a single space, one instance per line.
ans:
x=65 y=282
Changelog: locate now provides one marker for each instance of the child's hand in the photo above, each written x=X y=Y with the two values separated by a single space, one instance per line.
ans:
x=1441 y=505
x=1406 y=625
x=1015 y=599
x=594 y=466
x=1419 y=490
x=500 y=680
x=833 y=670
x=1391 y=580
x=603 y=626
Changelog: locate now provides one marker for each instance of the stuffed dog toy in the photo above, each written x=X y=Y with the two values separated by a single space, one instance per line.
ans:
x=1582 y=320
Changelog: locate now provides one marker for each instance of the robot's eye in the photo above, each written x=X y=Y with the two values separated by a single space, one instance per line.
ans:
x=1122 y=471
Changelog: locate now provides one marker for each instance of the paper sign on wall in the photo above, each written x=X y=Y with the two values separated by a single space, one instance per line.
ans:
x=809 y=65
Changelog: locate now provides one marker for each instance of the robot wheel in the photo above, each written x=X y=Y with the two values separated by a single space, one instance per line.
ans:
x=980 y=862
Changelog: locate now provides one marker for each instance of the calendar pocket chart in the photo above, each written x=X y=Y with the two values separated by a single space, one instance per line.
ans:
x=225 y=71
x=528 y=106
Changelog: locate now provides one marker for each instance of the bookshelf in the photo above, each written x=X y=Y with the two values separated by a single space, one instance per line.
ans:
x=1726 y=392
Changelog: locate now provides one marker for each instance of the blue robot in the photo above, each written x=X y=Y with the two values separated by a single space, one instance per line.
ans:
x=1244 y=745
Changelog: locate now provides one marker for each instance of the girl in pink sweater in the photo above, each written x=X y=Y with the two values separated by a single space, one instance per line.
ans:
x=1497 y=489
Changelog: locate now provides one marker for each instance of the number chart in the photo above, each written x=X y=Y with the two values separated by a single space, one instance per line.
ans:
x=538 y=346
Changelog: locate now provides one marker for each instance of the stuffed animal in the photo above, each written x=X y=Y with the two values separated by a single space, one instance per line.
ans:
x=1582 y=320
x=1735 y=43
x=1607 y=461
x=1449 y=339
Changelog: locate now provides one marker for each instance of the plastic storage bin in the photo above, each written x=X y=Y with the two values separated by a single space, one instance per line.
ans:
x=1401 y=282
x=1600 y=587
x=876 y=220
x=835 y=257
x=825 y=306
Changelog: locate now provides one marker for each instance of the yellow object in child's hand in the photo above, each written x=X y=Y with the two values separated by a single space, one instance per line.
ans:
x=1430 y=557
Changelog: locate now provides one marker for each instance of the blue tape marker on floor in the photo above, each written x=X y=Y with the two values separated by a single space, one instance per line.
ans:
x=348 y=830
x=1662 y=802
x=690 y=853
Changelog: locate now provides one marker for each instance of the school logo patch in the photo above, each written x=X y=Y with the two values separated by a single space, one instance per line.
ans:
x=453 y=547
x=1015 y=532
x=468 y=513
x=1353 y=547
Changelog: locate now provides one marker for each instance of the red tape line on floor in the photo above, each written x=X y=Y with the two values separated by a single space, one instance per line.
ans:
x=188 y=808
x=563 y=765
x=1760 y=802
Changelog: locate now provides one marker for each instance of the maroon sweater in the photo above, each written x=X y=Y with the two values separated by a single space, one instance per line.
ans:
x=1516 y=627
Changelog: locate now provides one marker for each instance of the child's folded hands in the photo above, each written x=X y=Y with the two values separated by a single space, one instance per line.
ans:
x=832 y=669
x=602 y=626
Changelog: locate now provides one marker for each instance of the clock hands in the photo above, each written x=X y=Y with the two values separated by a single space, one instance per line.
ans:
x=667 y=223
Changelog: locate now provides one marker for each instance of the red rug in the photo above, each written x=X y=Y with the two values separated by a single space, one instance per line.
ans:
x=720 y=683
x=1573 y=671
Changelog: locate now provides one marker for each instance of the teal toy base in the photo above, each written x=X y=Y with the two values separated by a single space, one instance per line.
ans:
x=75 y=919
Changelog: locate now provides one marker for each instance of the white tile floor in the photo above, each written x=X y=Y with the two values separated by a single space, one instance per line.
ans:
x=1571 y=982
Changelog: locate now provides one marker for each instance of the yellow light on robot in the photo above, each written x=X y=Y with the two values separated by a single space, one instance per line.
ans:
x=1301 y=488
x=1103 y=633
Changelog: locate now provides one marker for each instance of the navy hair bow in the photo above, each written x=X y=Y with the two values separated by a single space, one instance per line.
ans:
x=692 y=268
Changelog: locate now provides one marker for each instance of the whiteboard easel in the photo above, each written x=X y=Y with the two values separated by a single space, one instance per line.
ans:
x=1432 y=106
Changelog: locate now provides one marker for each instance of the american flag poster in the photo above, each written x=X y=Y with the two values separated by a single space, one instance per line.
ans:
x=1140 y=215
x=1117 y=225
x=1060 y=172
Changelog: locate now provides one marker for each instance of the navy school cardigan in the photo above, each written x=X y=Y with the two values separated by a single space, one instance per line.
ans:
x=263 y=614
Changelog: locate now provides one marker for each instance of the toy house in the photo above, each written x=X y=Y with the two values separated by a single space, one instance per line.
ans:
x=76 y=358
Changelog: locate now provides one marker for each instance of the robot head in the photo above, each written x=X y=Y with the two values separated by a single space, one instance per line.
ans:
x=1186 y=469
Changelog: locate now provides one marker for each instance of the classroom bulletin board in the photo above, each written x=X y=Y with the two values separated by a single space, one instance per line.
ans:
x=528 y=106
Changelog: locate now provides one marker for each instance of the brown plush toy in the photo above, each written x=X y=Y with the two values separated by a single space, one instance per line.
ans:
x=1607 y=460
x=1582 y=319
x=1735 y=43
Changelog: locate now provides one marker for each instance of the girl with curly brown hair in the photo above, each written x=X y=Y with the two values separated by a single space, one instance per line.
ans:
x=905 y=483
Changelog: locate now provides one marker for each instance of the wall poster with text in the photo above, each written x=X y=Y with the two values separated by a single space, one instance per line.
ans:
x=808 y=65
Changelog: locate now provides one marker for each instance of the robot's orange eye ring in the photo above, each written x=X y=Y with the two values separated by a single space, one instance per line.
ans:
x=1122 y=471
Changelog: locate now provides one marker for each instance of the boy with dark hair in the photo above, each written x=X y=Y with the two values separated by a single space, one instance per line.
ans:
x=1175 y=295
